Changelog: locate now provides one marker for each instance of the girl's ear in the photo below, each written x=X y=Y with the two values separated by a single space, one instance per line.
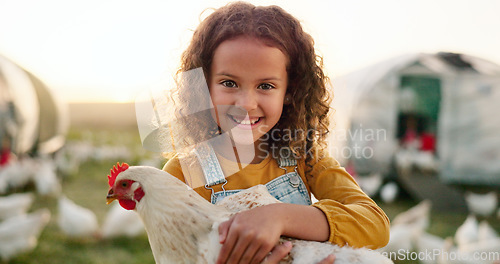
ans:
x=288 y=99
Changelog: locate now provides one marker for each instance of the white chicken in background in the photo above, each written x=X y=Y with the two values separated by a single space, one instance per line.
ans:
x=16 y=174
x=482 y=204
x=15 y=204
x=45 y=177
x=426 y=161
x=389 y=192
x=182 y=227
x=407 y=226
x=475 y=239
x=486 y=232
x=65 y=162
x=110 y=152
x=79 y=151
x=121 y=222
x=426 y=242
x=418 y=216
x=400 y=238
x=483 y=248
x=370 y=184
x=20 y=233
x=485 y=252
x=75 y=220
x=404 y=160
x=467 y=233
x=451 y=255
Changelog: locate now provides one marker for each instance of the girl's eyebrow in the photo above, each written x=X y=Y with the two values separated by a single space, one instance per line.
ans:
x=226 y=74
x=272 y=78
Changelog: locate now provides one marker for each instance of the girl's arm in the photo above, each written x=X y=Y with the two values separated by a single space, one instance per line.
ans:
x=345 y=215
x=249 y=236
x=353 y=217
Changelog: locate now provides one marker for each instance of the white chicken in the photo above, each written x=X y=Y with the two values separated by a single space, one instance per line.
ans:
x=467 y=233
x=16 y=174
x=417 y=216
x=451 y=255
x=75 y=220
x=121 y=222
x=182 y=227
x=408 y=226
x=401 y=238
x=389 y=192
x=15 y=204
x=45 y=178
x=475 y=239
x=485 y=232
x=371 y=183
x=425 y=243
x=482 y=204
x=20 y=233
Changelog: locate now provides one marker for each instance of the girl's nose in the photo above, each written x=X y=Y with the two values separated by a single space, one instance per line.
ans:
x=247 y=100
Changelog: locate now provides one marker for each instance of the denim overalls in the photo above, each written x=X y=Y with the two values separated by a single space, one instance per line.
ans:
x=288 y=188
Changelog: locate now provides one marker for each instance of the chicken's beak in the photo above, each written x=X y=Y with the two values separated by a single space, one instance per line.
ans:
x=111 y=196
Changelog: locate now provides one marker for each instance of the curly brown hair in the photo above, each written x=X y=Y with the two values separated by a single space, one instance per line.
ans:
x=308 y=110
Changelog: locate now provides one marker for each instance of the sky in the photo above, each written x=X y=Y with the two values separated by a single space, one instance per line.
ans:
x=110 y=50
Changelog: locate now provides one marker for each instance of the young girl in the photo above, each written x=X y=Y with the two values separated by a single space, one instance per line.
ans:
x=265 y=80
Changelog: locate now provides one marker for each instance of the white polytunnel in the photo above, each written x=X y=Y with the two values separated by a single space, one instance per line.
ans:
x=32 y=119
x=453 y=96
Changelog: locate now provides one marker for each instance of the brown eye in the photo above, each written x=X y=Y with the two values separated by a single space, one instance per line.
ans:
x=124 y=184
x=266 y=86
x=229 y=84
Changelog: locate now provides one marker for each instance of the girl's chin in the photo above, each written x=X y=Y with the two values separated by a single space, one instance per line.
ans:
x=243 y=139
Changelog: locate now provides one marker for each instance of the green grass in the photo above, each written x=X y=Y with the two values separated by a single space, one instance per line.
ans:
x=88 y=187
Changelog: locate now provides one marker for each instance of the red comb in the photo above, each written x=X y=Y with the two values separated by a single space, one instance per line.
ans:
x=115 y=171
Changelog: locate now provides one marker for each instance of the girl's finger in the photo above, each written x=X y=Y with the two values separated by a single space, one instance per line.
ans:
x=228 y=241
x=278 y=253
x=223 y=229
x=330 y=259
x=238 y=250
x=249 y=254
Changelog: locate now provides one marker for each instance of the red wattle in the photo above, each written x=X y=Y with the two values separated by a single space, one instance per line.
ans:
x=127 y=204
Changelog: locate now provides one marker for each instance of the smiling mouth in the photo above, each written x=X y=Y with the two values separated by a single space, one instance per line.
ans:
x=244 y=120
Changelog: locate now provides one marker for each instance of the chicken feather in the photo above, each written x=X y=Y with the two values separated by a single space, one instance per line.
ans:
x=182 y=226
x=20 y=233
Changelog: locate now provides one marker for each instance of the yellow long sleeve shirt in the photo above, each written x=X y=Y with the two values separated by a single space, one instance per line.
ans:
x=354 y=219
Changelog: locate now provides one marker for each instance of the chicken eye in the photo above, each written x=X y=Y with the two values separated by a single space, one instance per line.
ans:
x=124 y=184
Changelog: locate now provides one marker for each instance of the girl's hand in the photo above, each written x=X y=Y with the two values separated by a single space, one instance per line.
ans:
x=330 y=259
x=280 y=251
x=249 y=236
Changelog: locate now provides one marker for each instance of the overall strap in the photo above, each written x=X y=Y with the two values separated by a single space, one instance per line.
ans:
x=287 y=161
x=209 y=164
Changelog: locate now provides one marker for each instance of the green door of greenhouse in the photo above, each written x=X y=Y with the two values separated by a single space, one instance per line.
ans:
x=428 y=92
x=426 y=106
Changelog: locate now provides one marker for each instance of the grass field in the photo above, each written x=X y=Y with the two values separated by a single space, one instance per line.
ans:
x=88 y=187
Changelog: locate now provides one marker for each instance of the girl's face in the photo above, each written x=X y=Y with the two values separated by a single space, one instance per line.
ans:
x=247 y=83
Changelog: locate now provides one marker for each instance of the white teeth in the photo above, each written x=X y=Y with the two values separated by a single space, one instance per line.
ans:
x=245 y=121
